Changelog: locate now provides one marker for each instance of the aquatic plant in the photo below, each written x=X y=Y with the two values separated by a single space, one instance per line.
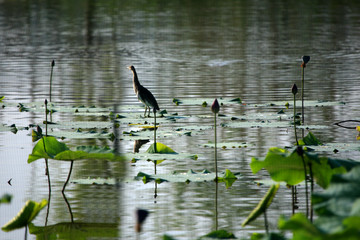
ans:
x=215 y=107
x=262 y=206
x=294 y=91
x=337 y=209
x=25 y=216
x=305 y=59
x=51 y=75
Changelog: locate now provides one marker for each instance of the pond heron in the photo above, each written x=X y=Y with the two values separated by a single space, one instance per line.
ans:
x=143 y=94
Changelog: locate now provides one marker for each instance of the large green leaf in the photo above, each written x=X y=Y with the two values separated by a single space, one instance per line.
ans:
x=263 y=205
x=286 y=166
x=51 y=148
x=338 y=210
x=25 y=216
x=282 y=165
x=47 y=147
x=302 y=228
x=340 y=200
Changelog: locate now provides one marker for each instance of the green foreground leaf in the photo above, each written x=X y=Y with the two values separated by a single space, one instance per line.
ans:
x=286 y=166
x=25 y=216
x=51 y=148
x=263 y=205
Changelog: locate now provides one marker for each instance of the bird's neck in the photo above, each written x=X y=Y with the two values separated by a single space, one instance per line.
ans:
x=136 y=82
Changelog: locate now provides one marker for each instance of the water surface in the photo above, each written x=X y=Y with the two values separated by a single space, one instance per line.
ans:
x=182 y=49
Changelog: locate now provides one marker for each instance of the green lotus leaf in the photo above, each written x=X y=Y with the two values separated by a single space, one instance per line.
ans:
x=25 y=216
x=263 y=205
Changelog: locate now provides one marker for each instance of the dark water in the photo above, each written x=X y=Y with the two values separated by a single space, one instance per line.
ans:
x=182 y=49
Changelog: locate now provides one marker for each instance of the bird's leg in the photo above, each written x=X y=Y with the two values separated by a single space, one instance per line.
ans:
x=149 y=112
x=145 y=111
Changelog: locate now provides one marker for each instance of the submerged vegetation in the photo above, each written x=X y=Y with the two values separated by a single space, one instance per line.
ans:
x=303 y=162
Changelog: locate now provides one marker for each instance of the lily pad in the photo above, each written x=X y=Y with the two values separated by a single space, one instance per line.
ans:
x=75 y=230
x=307 y=103
x=190 y=176
x=257 y=124
x=6 y=198
x=229 y=145
x=200 y=101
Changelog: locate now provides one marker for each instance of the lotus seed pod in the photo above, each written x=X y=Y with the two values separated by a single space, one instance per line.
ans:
x=306 y=59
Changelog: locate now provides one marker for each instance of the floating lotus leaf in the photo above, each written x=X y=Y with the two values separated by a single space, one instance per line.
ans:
x=6 y=198
x=229 y=145
x=75 y=230
x=257 y=124
x=177 y=176
x=307 y=103
x=201 y=101
x=220 y=234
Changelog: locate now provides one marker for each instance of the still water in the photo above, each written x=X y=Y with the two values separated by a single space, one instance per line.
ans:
x=182 y=49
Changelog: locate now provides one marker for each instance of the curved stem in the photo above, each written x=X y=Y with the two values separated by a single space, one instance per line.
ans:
x=345 y=121
x=68 y=178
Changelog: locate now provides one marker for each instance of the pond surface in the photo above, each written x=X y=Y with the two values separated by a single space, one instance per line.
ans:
x=181 y=49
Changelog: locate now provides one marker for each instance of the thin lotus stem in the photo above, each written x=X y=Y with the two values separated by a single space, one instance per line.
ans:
x=216 y=206
x=216 y=169
x=51 y=74
x=311 y=190
x=26 y=227
x=306 y=187
x=293 y=199
x=297 y=143
x=69 y=207
x=155 y=132
x=46 y=121
x=266 y=223
x=302 y=97
x=68 y=178
x=49 y=198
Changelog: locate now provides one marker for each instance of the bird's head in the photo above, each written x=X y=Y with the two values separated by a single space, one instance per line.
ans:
x=131 y=68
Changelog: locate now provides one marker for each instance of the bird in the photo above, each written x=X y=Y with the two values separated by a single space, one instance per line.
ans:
x=143 y=94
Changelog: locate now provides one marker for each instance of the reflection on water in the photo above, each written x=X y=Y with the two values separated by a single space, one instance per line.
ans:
x=182 y=49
